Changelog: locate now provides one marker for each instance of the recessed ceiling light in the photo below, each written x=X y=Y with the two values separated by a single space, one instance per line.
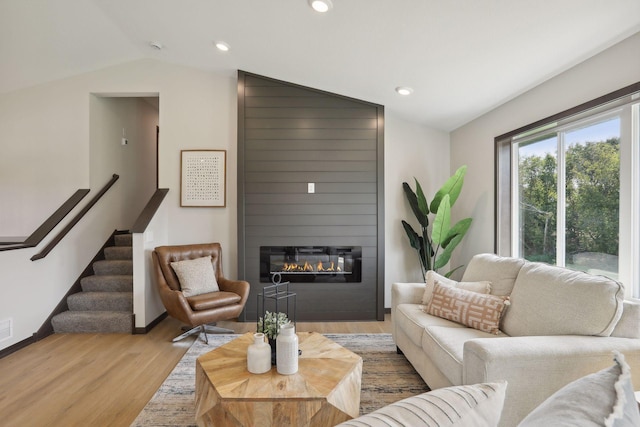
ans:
x=222 y=46
x=321 y=5
x=156 y=45
x=403 y=90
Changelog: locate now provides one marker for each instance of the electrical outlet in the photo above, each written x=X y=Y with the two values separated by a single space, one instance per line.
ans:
x=311 y=187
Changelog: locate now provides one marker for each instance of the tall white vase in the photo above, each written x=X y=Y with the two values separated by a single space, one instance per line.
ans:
x=287 y=350
x=259 y=355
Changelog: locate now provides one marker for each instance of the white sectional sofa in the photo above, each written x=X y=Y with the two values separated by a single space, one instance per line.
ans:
x=560 y=325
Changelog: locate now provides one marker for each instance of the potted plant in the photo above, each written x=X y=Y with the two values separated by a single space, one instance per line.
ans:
x=271 y=323
x=270 y=326
x=434 y=250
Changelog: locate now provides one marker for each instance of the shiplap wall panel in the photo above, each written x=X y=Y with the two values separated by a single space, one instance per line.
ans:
x=289 y=136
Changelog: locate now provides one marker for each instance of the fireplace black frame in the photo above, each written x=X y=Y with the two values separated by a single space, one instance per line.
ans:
x=343 y=264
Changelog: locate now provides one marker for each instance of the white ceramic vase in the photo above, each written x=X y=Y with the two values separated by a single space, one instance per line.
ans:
x=287 y=350
x=259 y=355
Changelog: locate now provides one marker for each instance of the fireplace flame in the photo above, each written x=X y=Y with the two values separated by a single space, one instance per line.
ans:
x=309 y=268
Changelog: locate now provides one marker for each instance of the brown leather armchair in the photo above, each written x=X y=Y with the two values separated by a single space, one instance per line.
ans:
x=199 y=311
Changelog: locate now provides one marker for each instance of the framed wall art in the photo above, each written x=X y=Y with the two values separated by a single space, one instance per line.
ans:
x=203 y=178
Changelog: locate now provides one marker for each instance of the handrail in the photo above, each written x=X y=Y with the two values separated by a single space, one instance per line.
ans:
x=149 y=211
x=49 y=224
x=44 y=252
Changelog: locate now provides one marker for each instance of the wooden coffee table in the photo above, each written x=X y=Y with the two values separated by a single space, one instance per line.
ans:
x=325 y=391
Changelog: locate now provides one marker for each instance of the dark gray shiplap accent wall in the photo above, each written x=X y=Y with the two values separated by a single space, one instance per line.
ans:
x=289 y=136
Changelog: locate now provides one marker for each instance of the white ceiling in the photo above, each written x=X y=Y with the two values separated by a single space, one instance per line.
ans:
x=461 y=57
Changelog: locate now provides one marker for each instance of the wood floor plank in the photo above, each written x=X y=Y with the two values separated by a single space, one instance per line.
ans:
x=106 y=379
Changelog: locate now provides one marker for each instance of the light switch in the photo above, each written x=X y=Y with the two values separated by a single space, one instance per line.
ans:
x=311 y=187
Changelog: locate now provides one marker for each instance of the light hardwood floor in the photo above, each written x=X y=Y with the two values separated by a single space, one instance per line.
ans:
x=106 y=379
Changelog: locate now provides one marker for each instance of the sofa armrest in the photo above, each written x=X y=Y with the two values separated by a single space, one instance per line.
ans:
x=536 y=367
x=406 y=293
x=629 y=324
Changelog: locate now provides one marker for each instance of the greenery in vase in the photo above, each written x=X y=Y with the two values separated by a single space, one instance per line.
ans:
x=271 y=324
x=434 y=249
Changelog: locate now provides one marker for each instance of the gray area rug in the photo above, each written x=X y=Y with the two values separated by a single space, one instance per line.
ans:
x=386 y=377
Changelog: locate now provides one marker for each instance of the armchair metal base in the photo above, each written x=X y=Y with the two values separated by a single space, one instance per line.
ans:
x=211 y=328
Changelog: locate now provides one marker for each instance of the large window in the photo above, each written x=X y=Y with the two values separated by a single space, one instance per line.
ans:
x=568 y=189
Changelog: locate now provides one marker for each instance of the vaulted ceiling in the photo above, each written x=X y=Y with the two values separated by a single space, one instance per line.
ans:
x=461 y=57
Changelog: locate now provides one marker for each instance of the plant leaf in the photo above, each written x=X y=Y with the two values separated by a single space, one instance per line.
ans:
x=452 y=187
x=453 y=271
x=414 y=238
x=441 y=222
x=414 y=202
x=422 y=200
x=460 y=228
x=445 y=256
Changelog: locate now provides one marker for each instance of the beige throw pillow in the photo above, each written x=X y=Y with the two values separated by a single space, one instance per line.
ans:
x=483 y=287
x=196 y=276
x=478 y=311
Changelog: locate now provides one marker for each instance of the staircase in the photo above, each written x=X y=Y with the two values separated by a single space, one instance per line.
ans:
x=105 y=304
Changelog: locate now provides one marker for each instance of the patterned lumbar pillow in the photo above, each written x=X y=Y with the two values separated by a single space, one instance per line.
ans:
x=483 y=287
x=478 y=311
x=605 y=398
x=478 y=405
x=196 y=276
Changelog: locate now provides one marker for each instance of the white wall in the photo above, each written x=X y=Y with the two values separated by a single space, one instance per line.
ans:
x=147 y=304
x=135 y=163
x=198 y=110
x=473 y=144
x=411 y=151
x=52 y=123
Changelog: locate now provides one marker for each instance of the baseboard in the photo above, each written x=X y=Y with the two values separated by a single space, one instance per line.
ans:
x=17 y=346
x=150 y=326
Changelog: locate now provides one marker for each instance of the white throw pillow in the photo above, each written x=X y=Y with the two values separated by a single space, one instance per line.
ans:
x=483 y=287
x=602 y=399
x=478 y=405
x=196 y=276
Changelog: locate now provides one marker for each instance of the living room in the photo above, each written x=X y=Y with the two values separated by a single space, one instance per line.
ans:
x=198 y=110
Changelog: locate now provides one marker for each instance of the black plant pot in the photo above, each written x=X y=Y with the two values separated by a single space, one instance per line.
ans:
x=272 y=343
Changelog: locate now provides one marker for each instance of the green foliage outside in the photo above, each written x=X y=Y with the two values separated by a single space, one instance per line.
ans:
x=592 y=201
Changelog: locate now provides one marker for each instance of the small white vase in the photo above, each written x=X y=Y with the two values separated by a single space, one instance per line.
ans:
x=259 y=355
x=287 y=350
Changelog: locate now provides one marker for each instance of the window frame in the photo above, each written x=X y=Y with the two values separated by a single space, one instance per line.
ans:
x=629 y=243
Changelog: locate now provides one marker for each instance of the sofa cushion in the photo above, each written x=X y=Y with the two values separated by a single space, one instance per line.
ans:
x=445 y=347
x=550 y=300
x=412 y=320
x=196 y=276
x=477 y=405
x=605 y=398
x=482 y=287
x=500 y=271
x=472 y=309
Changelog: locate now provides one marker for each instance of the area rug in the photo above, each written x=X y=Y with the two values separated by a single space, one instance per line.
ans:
x=386 y=377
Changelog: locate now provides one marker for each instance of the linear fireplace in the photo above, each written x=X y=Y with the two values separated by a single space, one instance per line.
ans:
x=299 y=264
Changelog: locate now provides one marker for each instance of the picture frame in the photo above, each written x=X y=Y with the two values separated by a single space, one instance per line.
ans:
x=203 y=178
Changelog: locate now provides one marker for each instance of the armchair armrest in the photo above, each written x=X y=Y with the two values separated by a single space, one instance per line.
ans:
x=240 y=287
x=174 y=302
